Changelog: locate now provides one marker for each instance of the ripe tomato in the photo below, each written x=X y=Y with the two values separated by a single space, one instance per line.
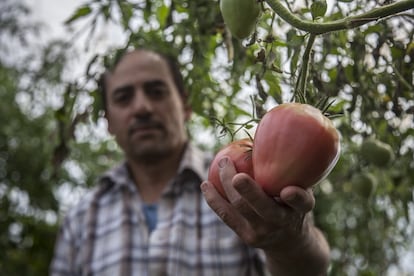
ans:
x=294 y=144
x=239 y=152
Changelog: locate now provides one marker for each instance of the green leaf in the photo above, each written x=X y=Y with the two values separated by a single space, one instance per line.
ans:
x=397 y=51
x=373 y=29
x=293 y=39
x=162 y=15
x=79 y=13
x=126 y=11
x=106 y=11
x=349 y=73
x=318 y=9
x=275 y=90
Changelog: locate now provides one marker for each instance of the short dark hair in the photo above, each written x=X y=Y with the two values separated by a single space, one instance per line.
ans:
x=172 y=64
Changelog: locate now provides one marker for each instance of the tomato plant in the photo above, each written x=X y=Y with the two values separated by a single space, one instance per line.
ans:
x=240 y=16
x=239 y=152
x=294 y=144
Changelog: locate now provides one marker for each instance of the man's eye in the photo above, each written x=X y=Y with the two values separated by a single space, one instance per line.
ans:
x=155 y=93
x=123 y=96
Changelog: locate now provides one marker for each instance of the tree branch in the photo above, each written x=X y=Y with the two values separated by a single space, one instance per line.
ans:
x=342 y=24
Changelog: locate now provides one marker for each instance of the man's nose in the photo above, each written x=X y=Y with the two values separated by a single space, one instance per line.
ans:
x=141 y=104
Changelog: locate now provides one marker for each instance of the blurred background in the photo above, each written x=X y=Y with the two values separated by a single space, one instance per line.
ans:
x=54 y=142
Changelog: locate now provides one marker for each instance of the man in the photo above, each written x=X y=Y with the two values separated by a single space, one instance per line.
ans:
x=151 y=216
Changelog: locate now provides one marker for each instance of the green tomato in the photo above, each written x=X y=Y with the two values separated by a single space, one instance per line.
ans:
x=376 y=152
x=364 y=184
x=240 y=16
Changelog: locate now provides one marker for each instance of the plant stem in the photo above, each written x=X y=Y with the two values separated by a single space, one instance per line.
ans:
x=341 y=24
x=303 y=74
x=401 y=78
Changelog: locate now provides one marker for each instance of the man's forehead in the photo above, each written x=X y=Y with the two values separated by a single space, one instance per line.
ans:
x=144 y=58
x=141 y=61
x=139 y=65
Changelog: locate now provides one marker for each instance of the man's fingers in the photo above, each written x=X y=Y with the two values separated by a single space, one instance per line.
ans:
x=249 y=211
x=222 y=207
x=298 y=199
x=227 y=174
x=246 y=210
x=227 y=171
x=264 y=205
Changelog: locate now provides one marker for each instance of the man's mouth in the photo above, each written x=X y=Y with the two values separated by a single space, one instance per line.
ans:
x=145 y=129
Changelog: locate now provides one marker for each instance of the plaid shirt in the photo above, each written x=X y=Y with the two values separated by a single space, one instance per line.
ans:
x=106 y=234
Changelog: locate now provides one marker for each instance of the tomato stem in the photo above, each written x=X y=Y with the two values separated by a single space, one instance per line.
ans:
x=300 y=89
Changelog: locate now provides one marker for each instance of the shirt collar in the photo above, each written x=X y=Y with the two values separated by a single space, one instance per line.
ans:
x=192 y=163
x=194 y=160
x=119 y=176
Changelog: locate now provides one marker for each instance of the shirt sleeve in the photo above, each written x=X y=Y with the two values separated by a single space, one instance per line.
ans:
x=64 y=253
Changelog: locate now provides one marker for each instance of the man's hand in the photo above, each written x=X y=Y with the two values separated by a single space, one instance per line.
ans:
x=281 y=227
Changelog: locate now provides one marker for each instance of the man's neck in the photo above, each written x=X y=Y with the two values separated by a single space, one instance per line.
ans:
x=151 y=178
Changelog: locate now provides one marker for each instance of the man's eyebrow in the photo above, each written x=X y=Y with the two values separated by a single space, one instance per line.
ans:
x=147 y=84
x=123 y=88
x=152 y=83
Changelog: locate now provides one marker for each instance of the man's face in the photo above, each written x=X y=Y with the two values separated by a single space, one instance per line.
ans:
x=145 y=110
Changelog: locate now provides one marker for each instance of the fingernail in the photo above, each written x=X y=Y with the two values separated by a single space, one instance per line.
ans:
x=291 y=198
x=203 y=186
x=223 y=162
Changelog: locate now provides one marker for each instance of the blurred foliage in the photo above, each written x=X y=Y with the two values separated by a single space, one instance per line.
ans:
x=37 y=138
x=50 y=151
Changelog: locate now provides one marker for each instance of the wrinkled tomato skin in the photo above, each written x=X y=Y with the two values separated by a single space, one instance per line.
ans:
x=294 y=145
x=240 y=152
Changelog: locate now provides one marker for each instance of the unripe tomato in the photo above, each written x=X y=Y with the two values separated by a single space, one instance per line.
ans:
x=240 y=16
x=294 y=145
x=364 y=184
x=240 y=152
x=376 y=152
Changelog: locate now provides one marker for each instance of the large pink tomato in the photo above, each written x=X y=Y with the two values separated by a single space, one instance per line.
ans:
x=240 y=152
x=294 y=144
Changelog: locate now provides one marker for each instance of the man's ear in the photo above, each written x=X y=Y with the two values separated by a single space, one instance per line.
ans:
x=108 y=123
x=188 y=112
x=188 y=109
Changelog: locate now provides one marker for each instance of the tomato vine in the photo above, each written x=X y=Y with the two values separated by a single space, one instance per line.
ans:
x=341 y=24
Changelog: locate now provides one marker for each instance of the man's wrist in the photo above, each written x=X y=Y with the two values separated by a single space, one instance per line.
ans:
x=295 y=241
x=307 y=247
